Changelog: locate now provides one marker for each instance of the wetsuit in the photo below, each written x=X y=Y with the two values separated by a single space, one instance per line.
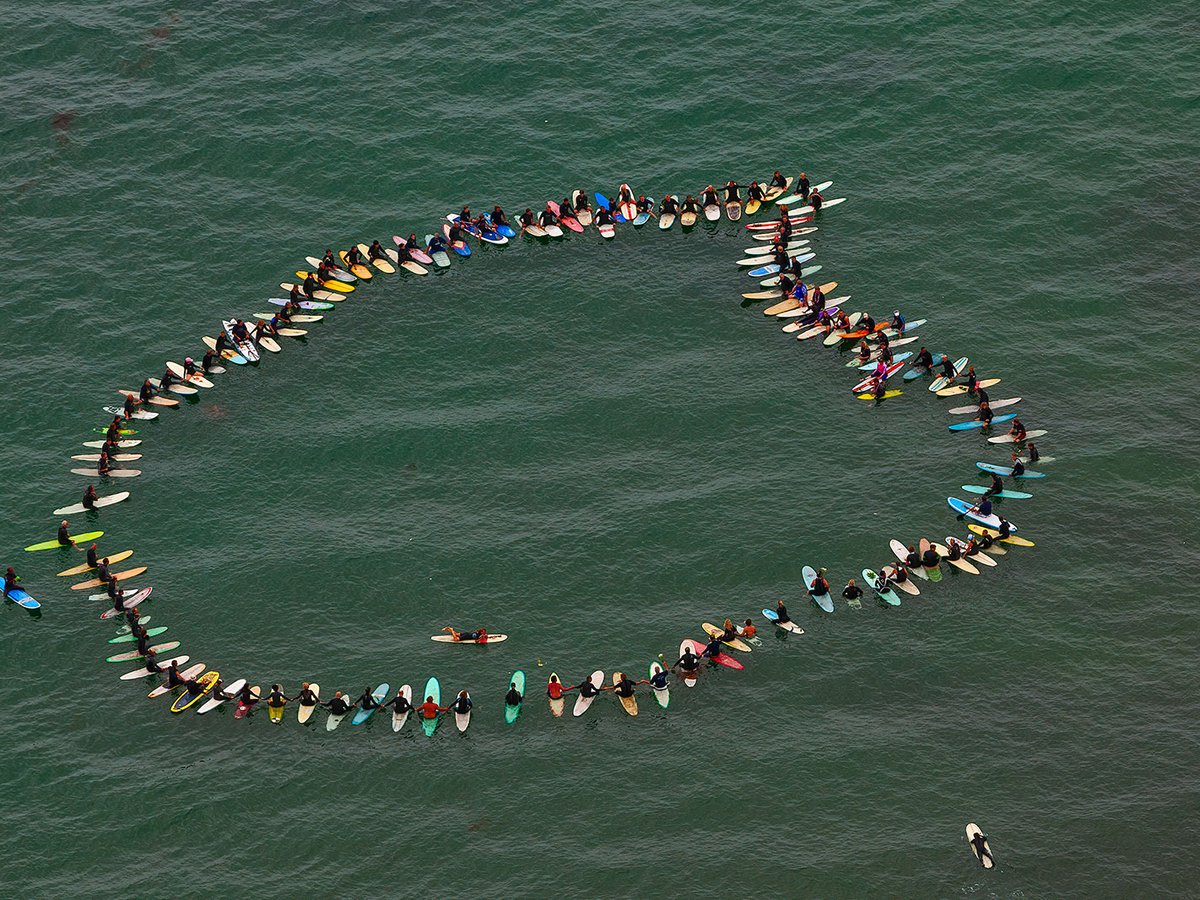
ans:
x=782 y=613
x=513 y=697
x=985 y=507
x=174 y=679
x=587 y=689
x=276 y=699
x=852 y=592
x=461 y=705
x=979 y=842
x=375 y=251
x=89 y=498
x=778 y=180
x=658 y=681
x=623 y=688
x=898 y=323
x=309 y=287
x=64 y=536
x=712 y=648
x=754 y=192
x=802 y=186
x=731 y=193
x=92 y=557
x=366 y=701
x=986 y=415
x=953 y=551
x=143 y=643
x=924 y=358
x=947 y=367
x=1018 y=467
x=547 y=218
x=930 y=558
x=400 y=705
x=815 y=200
x=210 y=359
x=688 y=662
x=669 y=206
x=339 y=706
x=1005 y=527
x=1034 y=455
x=972 y=381
x=103 y=574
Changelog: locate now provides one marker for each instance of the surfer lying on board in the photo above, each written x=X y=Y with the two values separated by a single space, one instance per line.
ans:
x=979 y=842
x=479 y=635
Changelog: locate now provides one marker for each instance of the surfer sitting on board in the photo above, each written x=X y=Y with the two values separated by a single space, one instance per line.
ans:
x=820 y=585
x=64 y=535
x=367 y=701
x=624 y=687
x=399 y=704
x=1017 y=431
x=689 y=205
x=461 y=704
x=688 y=662
x=712 y=649
x=338 y=705
x=972 y=380
x=781 y=613
x=802 y=185
x=669 y=206
x=778 y=181
x=479 y=635
x=555 y=688
x=731 y=632
x=815 y=200
x=731 y=192
x=513 y=697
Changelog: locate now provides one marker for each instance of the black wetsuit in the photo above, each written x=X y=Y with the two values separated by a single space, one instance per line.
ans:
x=852 y=592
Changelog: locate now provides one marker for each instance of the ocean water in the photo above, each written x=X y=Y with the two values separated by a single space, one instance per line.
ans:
x=596 y=446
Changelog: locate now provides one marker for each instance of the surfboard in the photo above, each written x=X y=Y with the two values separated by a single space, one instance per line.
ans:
x=796 y=198
x=901 y=553
x=733 y=210
x=942 y=381
x=581 y=702
x=449 y=639
x=628 y=703
x=556 y=703
x=188 y=673
x=54 y=544
x=511 y=712
x=116 y=576
x=963 y=508
x=115 y=457
x=131 y=655
x=607 y=231
x=213 y=702
x=143 y=672
x=1005 y=494
x=956 y=389
x=378 y=695
x=1011 y=539
x=462 y=720
x=712 y=212
x=111 y=473
x=978 y=556
x=985 y=861
x=662 y=696
x=304 y=713
x=961 y=564
x=398 y=719
x=976 y=423
x=974 y=407
x=824 y=601
x=689 y=678
x=737 y=643
x=1009 y=439
x=197 y=379
x=84 y=567
x=433 y=688
x=773 y=617
x=244 y=709
x=891 y=570
x=771 y=194
x=1007 y=471
x=890 y=597
x=332 y=721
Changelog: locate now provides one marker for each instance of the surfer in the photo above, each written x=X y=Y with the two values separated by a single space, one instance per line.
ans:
x=338 y=705
x=555 y=688
x=210 y=359
x=367 y=701
x=527 y=218
x=10 y=580
x=1018 y=467
x=309 y=287
x=1017 y=431
x=129 y=407
x=972 y=380
x=730 y=632
x=623 y=687
x=778 y=181
x=897 y=321
x=1005 y=527
x=712 y=649
x=979 y=842
x=731 y=193
x=815 y=200
x=643 y=204
x=174 y=679
x=103 y=464
x=399 y=704
x=748 y=629
x=924 y=360
x=93 y=558
x=461 y=704
x=64 y=534
x=658 y=681
x=1034 y=455
x=375 y=251
x=499 y=218
x=689 y=205
x=513 y=697
x=852 y=591
x=985 y=414
x=930 y=558
x=247 y=697
x=670 y=206
x=781 y=613
x=753 y=192
x=995 y=487
x=947 y=368
x=478 y=636
x=276 y=699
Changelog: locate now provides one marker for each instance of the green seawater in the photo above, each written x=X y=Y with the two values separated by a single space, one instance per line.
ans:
x=596 y=446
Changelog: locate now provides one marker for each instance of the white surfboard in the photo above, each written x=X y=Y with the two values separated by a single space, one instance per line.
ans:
x=398 y=719
x=143 y=672
x=581 y=702
x=462 y=720
x=100 y=503
x=972 y=830
x=231 y=689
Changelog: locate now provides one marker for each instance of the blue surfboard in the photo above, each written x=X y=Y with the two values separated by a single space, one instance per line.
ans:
x=1007 y=471
x=968 y=426
x=23 y=598
x=380 y=694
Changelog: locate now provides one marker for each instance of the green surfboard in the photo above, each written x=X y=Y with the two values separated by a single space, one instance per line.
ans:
x=511 y=712
x=432 y=689
x=128 y=638
x=78 y=538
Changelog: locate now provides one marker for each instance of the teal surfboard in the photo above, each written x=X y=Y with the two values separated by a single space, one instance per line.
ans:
x=379 y=695
x=432 y=689
x=511 y=712
x=1007 y=495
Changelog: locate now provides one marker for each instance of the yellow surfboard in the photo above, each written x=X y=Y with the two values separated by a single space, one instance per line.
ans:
x=332 y=285
x=84 y=567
